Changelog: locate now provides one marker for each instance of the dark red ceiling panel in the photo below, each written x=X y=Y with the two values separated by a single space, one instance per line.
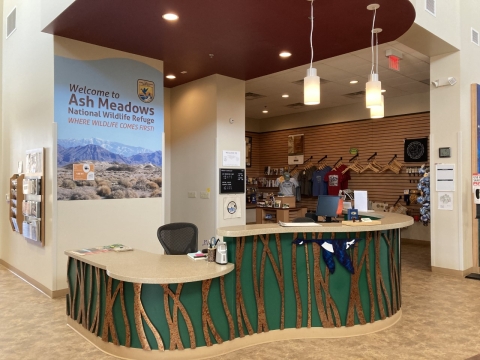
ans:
x=245 y=36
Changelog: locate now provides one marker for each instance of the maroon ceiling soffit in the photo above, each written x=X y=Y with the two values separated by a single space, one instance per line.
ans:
x=245 y=36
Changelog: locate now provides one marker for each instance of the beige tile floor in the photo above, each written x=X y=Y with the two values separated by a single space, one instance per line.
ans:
x=441 y=320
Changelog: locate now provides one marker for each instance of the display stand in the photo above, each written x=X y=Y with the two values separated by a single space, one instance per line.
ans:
x=33 y=205
x=16 y=199
x=276 y=215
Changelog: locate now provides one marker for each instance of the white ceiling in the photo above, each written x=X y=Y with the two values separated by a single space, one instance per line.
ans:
x=339 y=70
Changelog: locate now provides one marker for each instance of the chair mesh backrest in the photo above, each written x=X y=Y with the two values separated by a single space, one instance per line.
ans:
x=303 y=219
x=178 y=238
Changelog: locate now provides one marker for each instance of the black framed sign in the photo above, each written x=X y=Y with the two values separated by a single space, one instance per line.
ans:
x=232 y=181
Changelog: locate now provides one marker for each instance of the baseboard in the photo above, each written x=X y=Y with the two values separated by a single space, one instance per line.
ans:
x=415 y=242
x=42 y=288
x=456 y=273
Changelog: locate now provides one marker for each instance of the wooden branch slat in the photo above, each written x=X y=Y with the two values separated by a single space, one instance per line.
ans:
x=318 y=282
x=96 y=319
x=108 y=322
x=81 y=317
x=90 y=295
x=380 y=285
x=309 y=293
x=371 y=295
x=173 y=323
x=69 y=309
x=128 y=335
x=139 y=314
x=332 y=311
x=231 y=325
x=354 y=302
x=281 y=281
x=74 y=298
x=260 y=291
x=298 y=299
x=240 y=305
x=207 y=321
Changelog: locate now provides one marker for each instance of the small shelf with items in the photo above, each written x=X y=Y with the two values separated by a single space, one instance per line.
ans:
x=33 y=204
x=16 y=200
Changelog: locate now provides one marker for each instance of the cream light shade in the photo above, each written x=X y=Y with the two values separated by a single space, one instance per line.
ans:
x=373 y=91
x=378 y=112
x=311 y=88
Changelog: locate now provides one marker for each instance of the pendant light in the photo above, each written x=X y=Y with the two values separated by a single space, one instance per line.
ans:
x=373 y=88
x=377 y=112
x=311 y=83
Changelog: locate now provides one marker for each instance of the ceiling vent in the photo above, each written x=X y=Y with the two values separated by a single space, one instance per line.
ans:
x=475 y=38
x=355 y=95
x=431 y=7
x=253 y=96
x=426 y=82
x=11 y=22
x=295 y=106
x=322 y=81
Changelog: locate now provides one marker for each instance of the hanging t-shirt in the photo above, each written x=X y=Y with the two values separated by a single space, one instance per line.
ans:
x=319 y=187
x=287 y=187
x=305 y=181
x=337 y=181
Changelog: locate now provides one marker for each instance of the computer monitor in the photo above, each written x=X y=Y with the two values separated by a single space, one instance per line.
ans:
x=327 y=206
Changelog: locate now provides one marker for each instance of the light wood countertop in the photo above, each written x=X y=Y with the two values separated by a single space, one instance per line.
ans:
x=139 y=266
x=389 y=221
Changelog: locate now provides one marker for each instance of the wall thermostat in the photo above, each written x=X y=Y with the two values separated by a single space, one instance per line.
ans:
x=444 y=152
x=231 y=121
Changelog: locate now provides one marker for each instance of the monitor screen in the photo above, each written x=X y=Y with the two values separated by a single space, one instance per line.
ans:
x=327 y=206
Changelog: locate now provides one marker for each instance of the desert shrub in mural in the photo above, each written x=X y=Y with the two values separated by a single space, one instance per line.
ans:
x=121 y=171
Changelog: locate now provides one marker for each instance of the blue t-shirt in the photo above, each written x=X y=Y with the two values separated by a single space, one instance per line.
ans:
x=319 y=186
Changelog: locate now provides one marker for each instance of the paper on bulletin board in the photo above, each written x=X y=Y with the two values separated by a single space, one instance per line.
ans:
x=231 y=158
x=445 y=200
x=445 y=177
x=84 y=172
x=231 y=207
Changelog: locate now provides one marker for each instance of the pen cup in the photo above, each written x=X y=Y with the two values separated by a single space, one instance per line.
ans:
x=211 y=254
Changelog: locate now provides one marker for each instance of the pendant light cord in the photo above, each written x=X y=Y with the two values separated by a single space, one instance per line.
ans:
x=376 y=50
x=371 y=42
x=311 y=34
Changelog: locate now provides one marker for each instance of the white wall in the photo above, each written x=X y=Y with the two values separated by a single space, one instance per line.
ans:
x=199 y=132
x=393 y=106
x=230 y=104
x=50 y=9
x=27 y=111
x=133 y=222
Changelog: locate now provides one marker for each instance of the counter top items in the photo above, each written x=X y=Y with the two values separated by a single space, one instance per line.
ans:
x=197 y=255
x=221 y=257
x=142 y=267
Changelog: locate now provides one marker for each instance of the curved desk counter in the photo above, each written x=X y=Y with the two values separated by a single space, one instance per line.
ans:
x=138 y=305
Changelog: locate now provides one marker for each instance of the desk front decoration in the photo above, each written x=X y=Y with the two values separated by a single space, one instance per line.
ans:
x=288 y=282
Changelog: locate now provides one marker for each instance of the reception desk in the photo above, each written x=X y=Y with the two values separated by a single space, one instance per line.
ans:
x=279 y=284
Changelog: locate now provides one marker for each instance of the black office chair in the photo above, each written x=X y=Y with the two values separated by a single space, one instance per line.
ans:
x=178 y=238
x=303 y=219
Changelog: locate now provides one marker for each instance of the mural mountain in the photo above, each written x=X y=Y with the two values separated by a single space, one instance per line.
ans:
x=90 y=152
x=112 y=146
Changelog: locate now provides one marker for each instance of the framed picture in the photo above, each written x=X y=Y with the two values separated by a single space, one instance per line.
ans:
x=248 y=151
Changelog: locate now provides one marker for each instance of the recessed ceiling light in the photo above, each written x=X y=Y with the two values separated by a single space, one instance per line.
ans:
x=285 y=95
x=285 y=54
x=383 y=90
x=170 y=76
x=354 y=82
x=170 y=17
x=183 y=72
x=265 y=111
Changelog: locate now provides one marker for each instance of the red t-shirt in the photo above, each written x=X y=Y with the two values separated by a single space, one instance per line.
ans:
x=337 y=181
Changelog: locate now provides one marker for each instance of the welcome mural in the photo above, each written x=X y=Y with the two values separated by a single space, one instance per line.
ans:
x=110 y=125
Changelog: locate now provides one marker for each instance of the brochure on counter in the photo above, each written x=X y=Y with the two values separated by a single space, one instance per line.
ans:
x=102 y=249
x=197 y=256
x=299 y=224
